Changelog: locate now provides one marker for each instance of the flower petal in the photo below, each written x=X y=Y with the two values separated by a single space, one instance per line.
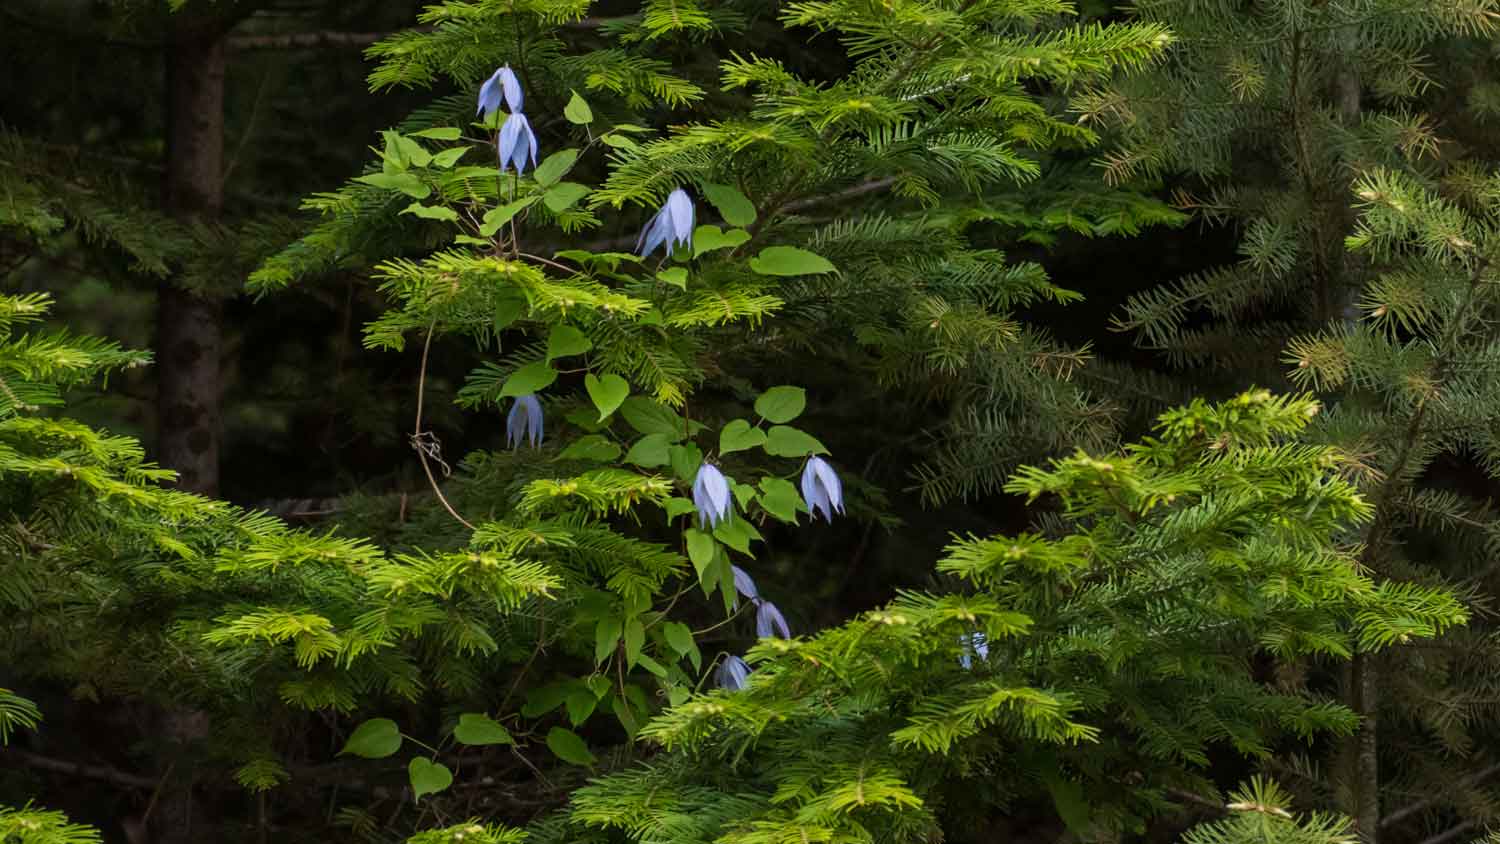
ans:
x=514 y=423
x=769 y=620
x=742 y=582
x=814 y=493
x=655 y=234
x=511 y=86
x=680 y=208
x=510 y=133
x=489 y=95
x=732 y=673
x=534 y=420
x=832 y=486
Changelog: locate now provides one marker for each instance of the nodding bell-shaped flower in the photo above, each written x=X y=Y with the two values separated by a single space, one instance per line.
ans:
x=711 y=495
x=743 y=584
x=672 y=225
x=732 y=673
x=517 y=143
x=770 y=622
x=973 y=645
x=502 y=84
x=821 y=488
x=524 y=421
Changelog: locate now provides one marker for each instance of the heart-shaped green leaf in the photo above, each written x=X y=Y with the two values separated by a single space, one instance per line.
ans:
x=789 y=260
x=477 y=729
x=528 y=379
x=606 y=392
x=738 y=435
x=376 y=738
x=428 y=777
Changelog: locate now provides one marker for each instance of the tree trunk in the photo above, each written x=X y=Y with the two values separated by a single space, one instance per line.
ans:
x=189 y=338
x=190 y=325
x=1364 y=695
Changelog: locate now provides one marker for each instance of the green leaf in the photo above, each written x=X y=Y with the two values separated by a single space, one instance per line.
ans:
x=599 y=685
x=606 y=392
x=449 y=157
x=780 y=498
x=565 y=340
x=555 y=167
x=529 y=379
x=686 y=459
x=497 y=217
x=606 y=637
x=701 y=549
x=784 y=441
x=678 y=506
x=376 y=738
x=675 y=276
x=619 y=141
x=568 y=746
x=651 y=417
x=733 y=206
x=540 y=701
x=737 y=534
x=649 y=452
x=743 y=493
x=439 y=133
x=478 y=730
x=580 y=705
x=781 y=404
x=679 y=637
x=635 y=638
x=591 y=447
x=789 y=260
x=407 y=183
x=413 y=152
x=428 y=777
x=739 y=435
x=708 y=238
x=626 y=716
x=563 y=195
x=431 y=212
x=577 y=110
x=653 y=666
x=508 y=310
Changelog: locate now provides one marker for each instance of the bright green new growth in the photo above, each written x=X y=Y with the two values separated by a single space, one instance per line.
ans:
x=1130 y=636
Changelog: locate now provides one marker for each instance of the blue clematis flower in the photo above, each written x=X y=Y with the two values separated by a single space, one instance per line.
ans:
x=524 y=421
x=743 y=584
x=672 y=225
x=732 y=673
x=769 y=620
x=517 y=142
x=711 y=495
x=973 y=644
x=502 y=83
x=821 y=488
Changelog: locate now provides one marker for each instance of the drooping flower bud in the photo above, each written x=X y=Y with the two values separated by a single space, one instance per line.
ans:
x=524 y=421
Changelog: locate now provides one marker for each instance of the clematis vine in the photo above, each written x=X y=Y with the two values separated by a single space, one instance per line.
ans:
x=524 y=421
x=503 y=83
x=672 y=225
x=711 y=496
x=770 y=622
x=517 y=143
x=821 y=489
x=732 y=673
